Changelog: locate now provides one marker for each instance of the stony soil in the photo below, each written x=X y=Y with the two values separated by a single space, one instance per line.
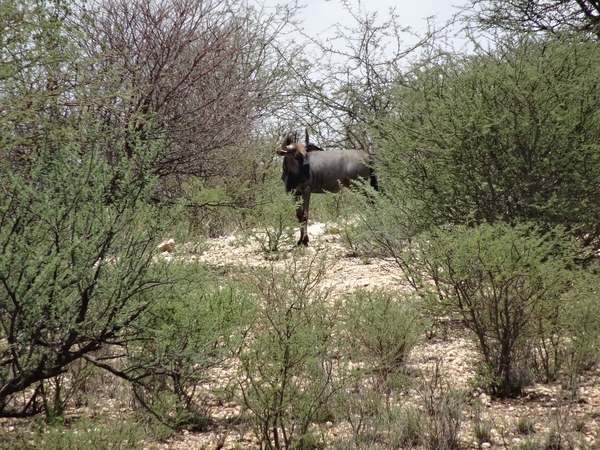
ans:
x=546 y=405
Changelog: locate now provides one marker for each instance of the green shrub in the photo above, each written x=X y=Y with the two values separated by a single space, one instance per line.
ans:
x=583 y=319
x=78 y=229
x=410 y=427
x=377 y=422
x=505 y=282
x=510 y=134
x=380 y=328
x=482 y=427
x=82 y=434
x=194 y=330
x=578 y=425
x=288 y=359
x=276 y=223
x=443 y=404
x=77 y=268
x=529 y=444
x=553 y=440
x=525 y=425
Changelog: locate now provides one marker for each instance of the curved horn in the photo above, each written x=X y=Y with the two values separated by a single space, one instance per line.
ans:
x=289 y=138
x=306 y=136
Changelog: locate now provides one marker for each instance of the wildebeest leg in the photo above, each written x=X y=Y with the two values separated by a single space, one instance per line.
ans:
x=299 y=213
x=302 y=215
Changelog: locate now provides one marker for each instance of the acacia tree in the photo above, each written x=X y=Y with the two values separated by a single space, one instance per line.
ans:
x=77 y=234
x=75 y=273
x=342 y=85
x=506 y=283
x=508 y=135
x=551 y=16
x=34 y=79
x=491 y=163
x=200 y=69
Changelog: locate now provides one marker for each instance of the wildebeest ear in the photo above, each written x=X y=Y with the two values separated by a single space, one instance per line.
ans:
x=281 y=152
x=312 y=147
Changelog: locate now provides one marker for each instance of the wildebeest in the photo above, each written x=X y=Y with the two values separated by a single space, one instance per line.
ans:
x=308 y=169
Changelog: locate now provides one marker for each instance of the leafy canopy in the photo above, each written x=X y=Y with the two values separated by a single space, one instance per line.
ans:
x=510 y=134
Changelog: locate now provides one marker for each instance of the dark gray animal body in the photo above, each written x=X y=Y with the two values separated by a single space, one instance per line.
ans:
x=307 y=169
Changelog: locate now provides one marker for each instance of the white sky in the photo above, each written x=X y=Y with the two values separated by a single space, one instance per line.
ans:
x=318 y=17
x=322 y=14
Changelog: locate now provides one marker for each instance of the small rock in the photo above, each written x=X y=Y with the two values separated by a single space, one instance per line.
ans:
x=485 y=399
x=167 y=246
x=486 y=445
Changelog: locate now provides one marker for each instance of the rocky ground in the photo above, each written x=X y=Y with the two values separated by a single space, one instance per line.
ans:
x=575 y=412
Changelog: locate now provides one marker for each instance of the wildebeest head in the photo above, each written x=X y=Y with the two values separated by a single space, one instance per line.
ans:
x=296 y=136
x=296 y=168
